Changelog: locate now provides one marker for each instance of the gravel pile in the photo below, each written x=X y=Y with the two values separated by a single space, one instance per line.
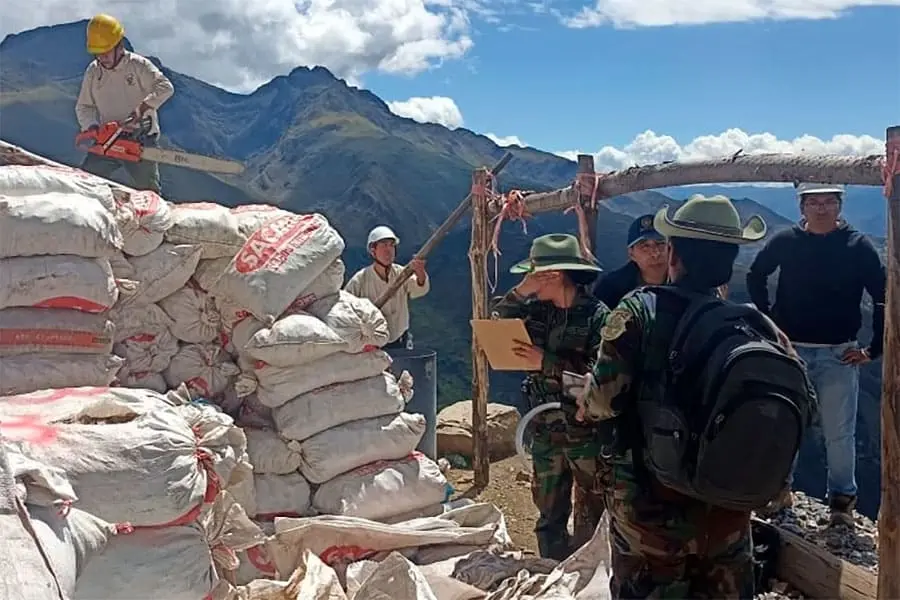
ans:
x=809 y=519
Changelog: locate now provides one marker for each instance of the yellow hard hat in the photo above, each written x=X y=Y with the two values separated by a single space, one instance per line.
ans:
x=103 y=33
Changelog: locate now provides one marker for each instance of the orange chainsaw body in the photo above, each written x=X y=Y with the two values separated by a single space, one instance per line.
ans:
x=110 y=140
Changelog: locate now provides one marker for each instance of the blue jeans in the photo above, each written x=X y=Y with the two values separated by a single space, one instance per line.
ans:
x=837 y=388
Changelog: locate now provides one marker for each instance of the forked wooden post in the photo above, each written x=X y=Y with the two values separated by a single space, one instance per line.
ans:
x=478 y=251
x=889 y=517
x=588 y=182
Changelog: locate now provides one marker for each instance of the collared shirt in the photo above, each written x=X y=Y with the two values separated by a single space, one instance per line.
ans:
x=366 y=283
x=113 y=94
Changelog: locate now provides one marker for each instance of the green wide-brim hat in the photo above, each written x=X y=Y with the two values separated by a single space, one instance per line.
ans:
x=714 y=219
x=555 y=252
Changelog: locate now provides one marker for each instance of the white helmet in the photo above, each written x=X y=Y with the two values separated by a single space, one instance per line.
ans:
x=380 y=233
x=819 y=188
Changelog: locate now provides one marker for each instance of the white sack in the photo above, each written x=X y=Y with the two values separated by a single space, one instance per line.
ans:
x=24 y=330
x=147 y=471
x=31 y=180
x=64 y=281
x=174 y=563
x=357 y=321
x=25 y=373
x=242 y=487
x=269 y=453
x=149 y=381
x=147 y=353
x=162 y=272
x=281 y=495
x=139 y=321
x=121 y=268
x=345 y=447
x=205 y=368
x=294 y=340
x=209 y=270
x=28 y=576
x=383 y=489
x=211 y=226
x=195 y=318
x=86 y=404
x=339 y=540
x=326 y=285
x=243 y=331
x=152 y=218
x=57 y=223
x=250 y=217
x=70 y=539
x=277 y=262
x=316 y=411
x=255 y=414
x=278 y=385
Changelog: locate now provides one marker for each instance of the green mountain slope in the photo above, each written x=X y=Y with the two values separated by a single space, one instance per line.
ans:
x=310 y=142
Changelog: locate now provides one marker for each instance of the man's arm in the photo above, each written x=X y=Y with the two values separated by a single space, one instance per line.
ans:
x=417 y=290
x=875 y=282
x=621 y=340
x=151 y=78
x=85 y=107
x=765 y=263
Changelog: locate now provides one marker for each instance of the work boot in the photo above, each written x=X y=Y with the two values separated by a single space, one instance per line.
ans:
x=842 y=510
x=783 y=501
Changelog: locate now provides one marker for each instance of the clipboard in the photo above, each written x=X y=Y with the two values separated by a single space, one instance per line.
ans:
x=495 y=336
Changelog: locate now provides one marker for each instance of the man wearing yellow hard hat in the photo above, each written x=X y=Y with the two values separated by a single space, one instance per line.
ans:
x=119 y=85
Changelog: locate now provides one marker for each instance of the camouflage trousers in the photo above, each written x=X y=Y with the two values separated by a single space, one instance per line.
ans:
x=559 y=459
x=665 y=545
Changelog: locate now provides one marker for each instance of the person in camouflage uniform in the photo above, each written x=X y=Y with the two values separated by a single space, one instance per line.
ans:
x=563 y=320
x=664 y=544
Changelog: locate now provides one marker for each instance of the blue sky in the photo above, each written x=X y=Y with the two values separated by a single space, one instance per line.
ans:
x=557 y=88
x=633 y=81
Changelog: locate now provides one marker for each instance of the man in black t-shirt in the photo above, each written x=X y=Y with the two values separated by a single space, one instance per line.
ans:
x=825 y=264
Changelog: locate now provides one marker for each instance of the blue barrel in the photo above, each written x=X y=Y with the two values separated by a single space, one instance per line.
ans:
x=422 y=365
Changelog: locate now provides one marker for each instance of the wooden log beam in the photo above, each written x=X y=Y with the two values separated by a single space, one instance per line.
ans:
x=752 y=168
x=439 y=234
x=816 y=572
x=889 y=517
x=478 y=251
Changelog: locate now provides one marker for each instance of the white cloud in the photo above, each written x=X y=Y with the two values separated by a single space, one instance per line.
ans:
x=505 y=140
x=239 y=44
x=436 y=109
x=659 y=13
x=649 y=148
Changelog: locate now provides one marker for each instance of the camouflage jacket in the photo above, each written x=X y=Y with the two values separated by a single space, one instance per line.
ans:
x=569 y=338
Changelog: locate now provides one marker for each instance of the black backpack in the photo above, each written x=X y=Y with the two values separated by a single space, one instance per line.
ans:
x=723 y=422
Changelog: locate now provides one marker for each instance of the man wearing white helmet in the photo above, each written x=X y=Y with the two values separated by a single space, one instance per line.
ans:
x=825 y=264
x=372 y=281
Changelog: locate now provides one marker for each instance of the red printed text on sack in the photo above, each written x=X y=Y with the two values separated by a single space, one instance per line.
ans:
x=145 y=203
x=272 y=244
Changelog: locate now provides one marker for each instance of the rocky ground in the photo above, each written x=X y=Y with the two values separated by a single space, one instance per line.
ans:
x=510 y=490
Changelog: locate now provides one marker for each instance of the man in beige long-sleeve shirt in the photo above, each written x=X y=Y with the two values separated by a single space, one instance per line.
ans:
x=119 y=85
x=372 y=281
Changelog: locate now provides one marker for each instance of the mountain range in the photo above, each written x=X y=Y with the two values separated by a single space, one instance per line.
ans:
x=310 y=143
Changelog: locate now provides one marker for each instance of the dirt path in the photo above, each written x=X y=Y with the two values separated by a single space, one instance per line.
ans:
x=510 y=491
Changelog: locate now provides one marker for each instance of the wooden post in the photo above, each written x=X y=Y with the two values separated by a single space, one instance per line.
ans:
x=889 y=517
x=585 y=192
x=478 y=250
x=582 y=515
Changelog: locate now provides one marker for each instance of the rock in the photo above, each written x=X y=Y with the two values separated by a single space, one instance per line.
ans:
x=454 y=430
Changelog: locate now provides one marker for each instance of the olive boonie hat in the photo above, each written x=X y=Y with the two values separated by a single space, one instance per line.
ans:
x=555 y=252
x=714 y=219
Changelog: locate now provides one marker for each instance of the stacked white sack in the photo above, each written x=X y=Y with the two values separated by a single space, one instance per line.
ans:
x=58 y=233
x=158 y=463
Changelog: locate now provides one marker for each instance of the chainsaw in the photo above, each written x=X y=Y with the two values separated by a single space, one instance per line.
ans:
x=121 y=140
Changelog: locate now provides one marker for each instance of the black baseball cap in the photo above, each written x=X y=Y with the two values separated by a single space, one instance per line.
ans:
x=642 y=229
